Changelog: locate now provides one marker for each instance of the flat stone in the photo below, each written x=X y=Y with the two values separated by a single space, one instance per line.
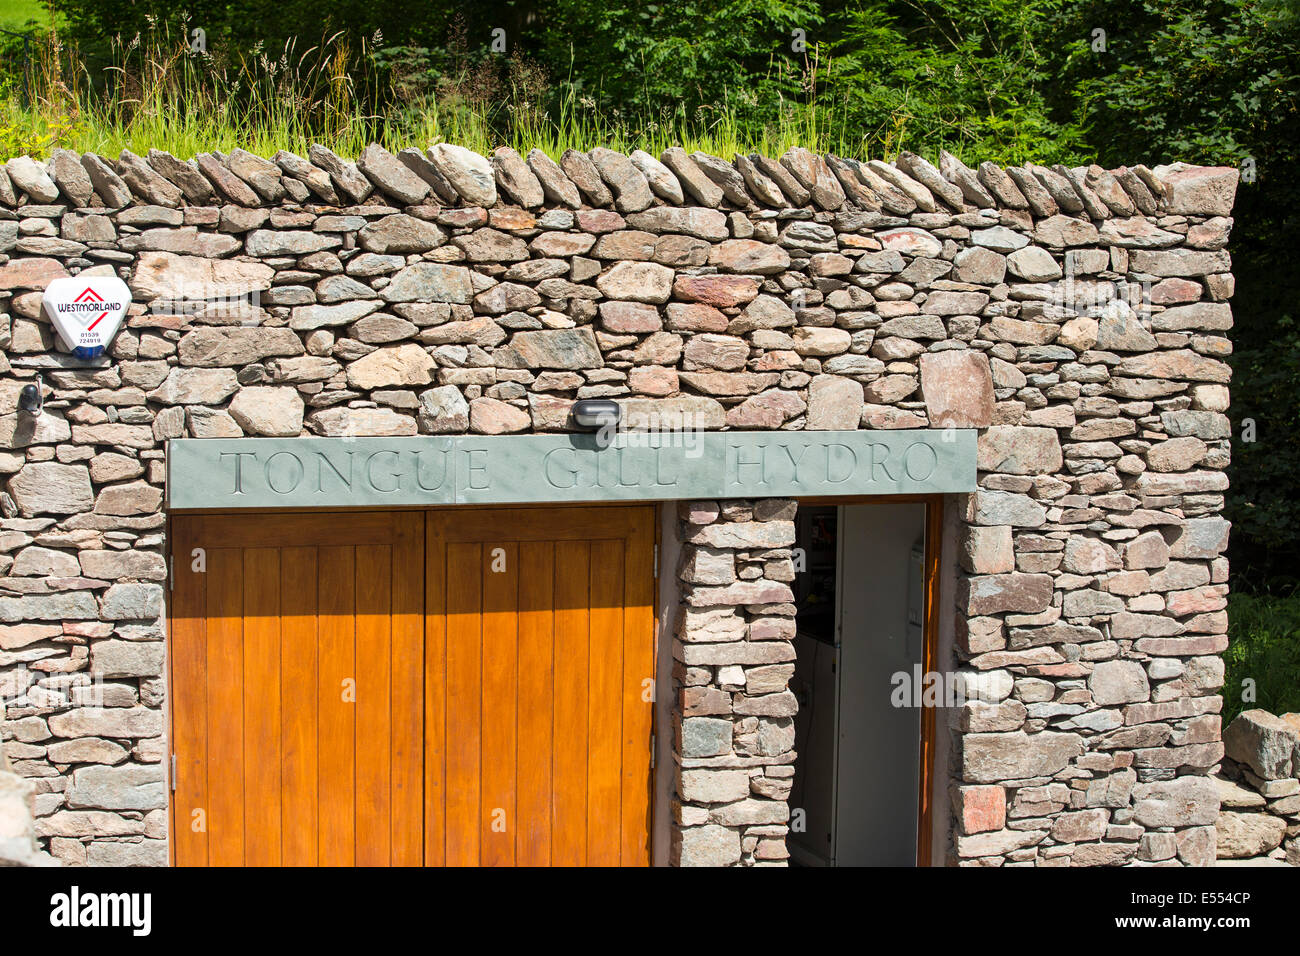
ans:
x=957 y=387
x=47 y=487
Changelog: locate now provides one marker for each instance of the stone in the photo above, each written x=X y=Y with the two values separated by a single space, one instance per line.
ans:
x=391 y=176
x=128 y=787
x=693 y=180
x=1118 y=682
x=132 y=498
x=1244 y=835
x=110 y=187
x=488 y=416
x=469 y=173
x=553 y=349
x=637 y=281
x=65 y=169
x=631 y=190
x=1198 y=190
x=1147 y=550
x=184 y=176
x=719 y=291
x=1016 y=592
x=46 y=487
x=1033 y=264
x=400 y=233
x=1181 y=802
x=990 y=758
x=834 y=402
x=32 y=178
x=580 y=169
x=430 y=282
x=196 y=386
x=165 y=275
x=1016 y=450
x=987 y=550
x=749 y=256
x=1267 y=744
x=218 y=348
x=394 y=366
x=714 y=786
x=814 y=175
x=131 y=602
x=983 y=809
x=556 y=186
x=515 y=178
x=264 y=410
x=957 y=388
x=709 y=845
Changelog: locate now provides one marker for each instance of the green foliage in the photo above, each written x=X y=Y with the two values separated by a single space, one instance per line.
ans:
x=1263 y=647
x=968 y=77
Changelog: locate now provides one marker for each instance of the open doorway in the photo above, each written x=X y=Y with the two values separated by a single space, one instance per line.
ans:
x=860 y=622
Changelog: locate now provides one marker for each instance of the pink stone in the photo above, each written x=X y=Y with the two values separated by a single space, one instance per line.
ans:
x=30 y=273
x=1175 y=291
x=695 y=317
x=769 y=410
x=957 y=387
x=599 y=220
x=620 y=316
x=652 y=380
x=721 y=292
x=982 y=809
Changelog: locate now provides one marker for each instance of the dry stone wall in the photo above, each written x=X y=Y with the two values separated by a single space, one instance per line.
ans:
x=1077 y=317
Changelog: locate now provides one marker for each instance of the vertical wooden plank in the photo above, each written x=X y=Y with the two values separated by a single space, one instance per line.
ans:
x=374 y=702
x=435 y=703
x=464 y=702
x=536 y=694
x=189 y=701
x=298 y=682
x=605 y=705
x=638 y=712
x=262 y=844
x=569 y=826
x=336 y=696
x=500 y=696
x=225 y=714
x=408 y=691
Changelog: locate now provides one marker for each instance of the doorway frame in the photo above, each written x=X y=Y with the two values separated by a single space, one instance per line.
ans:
x=932 y=563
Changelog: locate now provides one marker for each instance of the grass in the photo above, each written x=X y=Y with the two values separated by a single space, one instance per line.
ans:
x=158 y=95
x=15 y=14
x=1263 y=654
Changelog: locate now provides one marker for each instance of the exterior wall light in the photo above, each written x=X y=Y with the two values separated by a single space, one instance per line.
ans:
x=596 y=413
x=30 y=399
x=599 y=415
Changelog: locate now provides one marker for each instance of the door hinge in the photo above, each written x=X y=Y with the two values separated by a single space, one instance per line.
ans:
x=173 y=773
x=653 y=741
x=656 y=574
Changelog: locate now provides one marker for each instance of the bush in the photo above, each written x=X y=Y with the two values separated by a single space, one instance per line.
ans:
x=1263 y=647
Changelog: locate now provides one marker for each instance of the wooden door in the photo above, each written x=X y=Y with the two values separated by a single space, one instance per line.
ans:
x=539 y=676
x=297 y=689
x=462 y=687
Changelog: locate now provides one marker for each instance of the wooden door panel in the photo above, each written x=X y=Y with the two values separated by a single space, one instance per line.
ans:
x=545 y=729
x=297 y=706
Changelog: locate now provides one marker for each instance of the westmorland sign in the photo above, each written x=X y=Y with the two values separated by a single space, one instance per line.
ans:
x=528 y=469
x=87 y=312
